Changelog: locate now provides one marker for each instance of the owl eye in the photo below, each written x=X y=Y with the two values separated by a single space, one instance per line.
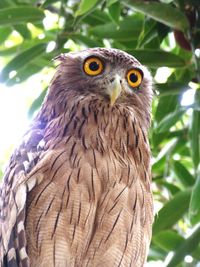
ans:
x=93 y=66
x=134 y=77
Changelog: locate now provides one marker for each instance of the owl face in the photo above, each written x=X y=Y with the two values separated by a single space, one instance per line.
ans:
x=111 y=75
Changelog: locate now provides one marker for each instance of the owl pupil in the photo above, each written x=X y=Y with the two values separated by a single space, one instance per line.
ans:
x=94 y=66
x=133 y=78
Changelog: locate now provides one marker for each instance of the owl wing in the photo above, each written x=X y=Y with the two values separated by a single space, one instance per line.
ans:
x=13 y=194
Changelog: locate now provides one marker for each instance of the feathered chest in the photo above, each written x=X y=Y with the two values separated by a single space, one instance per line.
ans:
x=95 y=182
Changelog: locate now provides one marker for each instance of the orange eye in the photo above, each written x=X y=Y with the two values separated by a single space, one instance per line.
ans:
x=93 y=66
x=134 y=77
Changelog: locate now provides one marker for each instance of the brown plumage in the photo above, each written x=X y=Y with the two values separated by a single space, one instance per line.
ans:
x=77 y=190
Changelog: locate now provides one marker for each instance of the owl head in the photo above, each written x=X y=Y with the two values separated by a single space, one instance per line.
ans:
x=109 y=75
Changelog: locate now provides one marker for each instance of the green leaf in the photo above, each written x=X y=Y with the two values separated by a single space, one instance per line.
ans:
x=168 y=240
x=90 y=42
x=85 y=6
x=173 y=189
x=26 y=44
x=166 y=105
x=9 y=51
x=164 y=154
x=187 y=247
x=166 y=1
x=170 y=120
x=4 y=33
x=6 y=3
x=196 y=253
x=156 y=253
x=22 y=59
x=171 y=88
x=149 y=32
x=194 y=210
x=179 y=133
x=110 y=2
x=163 y=13
x=97 y=17
x=24 y=73
x=194 y=133
x=159 y=164
x=156 y=58
x=128 y=29
x=15 y=15
x=48 y=2
x=172 y=211
x=114 y=11
x=23 y=31
x=183 y=174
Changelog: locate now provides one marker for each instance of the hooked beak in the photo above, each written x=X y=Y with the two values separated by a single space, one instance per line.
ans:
x=115 y=89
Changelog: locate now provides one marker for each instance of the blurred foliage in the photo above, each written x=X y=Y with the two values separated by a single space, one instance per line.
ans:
x=161 y=33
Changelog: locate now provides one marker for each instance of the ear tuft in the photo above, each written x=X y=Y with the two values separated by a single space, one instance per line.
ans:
x=60 y=57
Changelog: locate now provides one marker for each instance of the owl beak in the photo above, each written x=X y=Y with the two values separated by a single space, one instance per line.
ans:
x=115 y=89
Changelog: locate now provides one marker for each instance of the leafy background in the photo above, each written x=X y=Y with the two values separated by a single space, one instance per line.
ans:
x=165 y=36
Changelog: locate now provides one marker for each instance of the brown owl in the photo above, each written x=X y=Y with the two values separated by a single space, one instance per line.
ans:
x=76 y=192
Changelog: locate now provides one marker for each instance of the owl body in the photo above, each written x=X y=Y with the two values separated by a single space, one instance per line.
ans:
x=77 y=190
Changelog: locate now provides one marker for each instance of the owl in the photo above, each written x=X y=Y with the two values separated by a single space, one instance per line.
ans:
x=77 y=190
